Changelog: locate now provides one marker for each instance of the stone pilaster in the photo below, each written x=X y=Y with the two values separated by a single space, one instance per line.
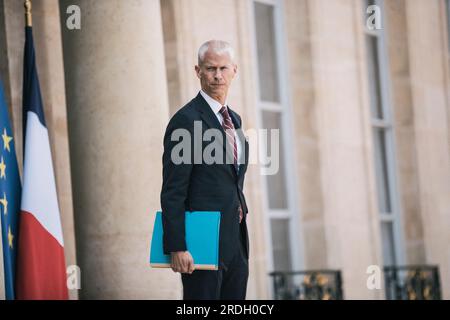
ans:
x=117 y=112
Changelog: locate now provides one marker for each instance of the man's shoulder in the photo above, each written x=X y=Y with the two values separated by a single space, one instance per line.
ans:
x=186 y=115
x=188 y=111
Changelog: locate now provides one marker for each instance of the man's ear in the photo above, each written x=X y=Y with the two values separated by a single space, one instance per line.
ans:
x=197 y=71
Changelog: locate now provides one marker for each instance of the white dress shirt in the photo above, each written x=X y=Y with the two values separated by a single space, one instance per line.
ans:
x=215 y=107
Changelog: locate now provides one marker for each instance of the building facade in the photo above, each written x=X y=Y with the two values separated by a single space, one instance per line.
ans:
x=363 y=116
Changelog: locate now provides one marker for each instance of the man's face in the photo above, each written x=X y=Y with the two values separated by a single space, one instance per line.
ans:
x=216 y=73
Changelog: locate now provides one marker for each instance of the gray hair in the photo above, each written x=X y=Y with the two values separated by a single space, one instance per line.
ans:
x=217 y=46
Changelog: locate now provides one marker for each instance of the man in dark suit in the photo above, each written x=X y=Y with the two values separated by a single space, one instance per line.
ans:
x=205 y=186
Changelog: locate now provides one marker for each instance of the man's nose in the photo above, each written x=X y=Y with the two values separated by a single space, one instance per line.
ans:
x=218 y=75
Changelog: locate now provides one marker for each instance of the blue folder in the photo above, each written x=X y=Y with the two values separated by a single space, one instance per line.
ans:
x=202 y=240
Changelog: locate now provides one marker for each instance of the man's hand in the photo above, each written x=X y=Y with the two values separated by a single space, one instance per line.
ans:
x=182 y=262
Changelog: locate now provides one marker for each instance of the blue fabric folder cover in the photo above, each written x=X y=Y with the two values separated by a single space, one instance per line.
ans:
x=202 y=240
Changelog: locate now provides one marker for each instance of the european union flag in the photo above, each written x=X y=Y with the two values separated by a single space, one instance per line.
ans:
x=10 y=193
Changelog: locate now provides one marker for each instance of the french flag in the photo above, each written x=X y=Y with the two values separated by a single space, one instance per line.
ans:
x=41 y=268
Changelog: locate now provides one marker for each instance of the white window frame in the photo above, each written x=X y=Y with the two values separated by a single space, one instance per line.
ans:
x=386 y=124
x=284 y=107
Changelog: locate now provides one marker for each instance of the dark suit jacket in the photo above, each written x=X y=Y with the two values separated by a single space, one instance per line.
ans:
x=202 y=187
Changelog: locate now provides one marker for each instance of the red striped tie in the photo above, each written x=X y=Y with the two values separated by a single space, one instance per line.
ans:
x=228 y=127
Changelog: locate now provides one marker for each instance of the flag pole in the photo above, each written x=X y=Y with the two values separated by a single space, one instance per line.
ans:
x=28 y=20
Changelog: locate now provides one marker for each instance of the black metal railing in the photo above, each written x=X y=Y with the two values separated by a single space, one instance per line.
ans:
x=418 y=282
x=307 y=285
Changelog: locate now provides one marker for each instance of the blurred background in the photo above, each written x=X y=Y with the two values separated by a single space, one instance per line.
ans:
x=360 y=208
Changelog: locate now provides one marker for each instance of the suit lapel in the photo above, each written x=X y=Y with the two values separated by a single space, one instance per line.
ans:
x=240 y=135
x=243 y=167
x=211 y=120
x=243 y=140
x=206 y=113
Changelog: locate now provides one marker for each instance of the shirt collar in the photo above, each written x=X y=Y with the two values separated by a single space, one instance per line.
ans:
x=214 y=104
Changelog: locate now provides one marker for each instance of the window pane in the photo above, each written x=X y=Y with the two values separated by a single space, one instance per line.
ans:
x=276 y=183
x=383 y=186
x=266 y=46
x=387 y=237
x=374 y=76
x=280 y=244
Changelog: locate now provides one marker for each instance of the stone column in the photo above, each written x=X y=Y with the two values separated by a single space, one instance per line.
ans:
x=403 y=117
x=427 y=59
x=343 y=126
x=117 y=111
x=305 y=116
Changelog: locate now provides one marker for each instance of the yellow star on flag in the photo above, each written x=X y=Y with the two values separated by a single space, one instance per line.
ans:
x=10 y=238
x=4 y=202
x=2 y=169
x=6 y=140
